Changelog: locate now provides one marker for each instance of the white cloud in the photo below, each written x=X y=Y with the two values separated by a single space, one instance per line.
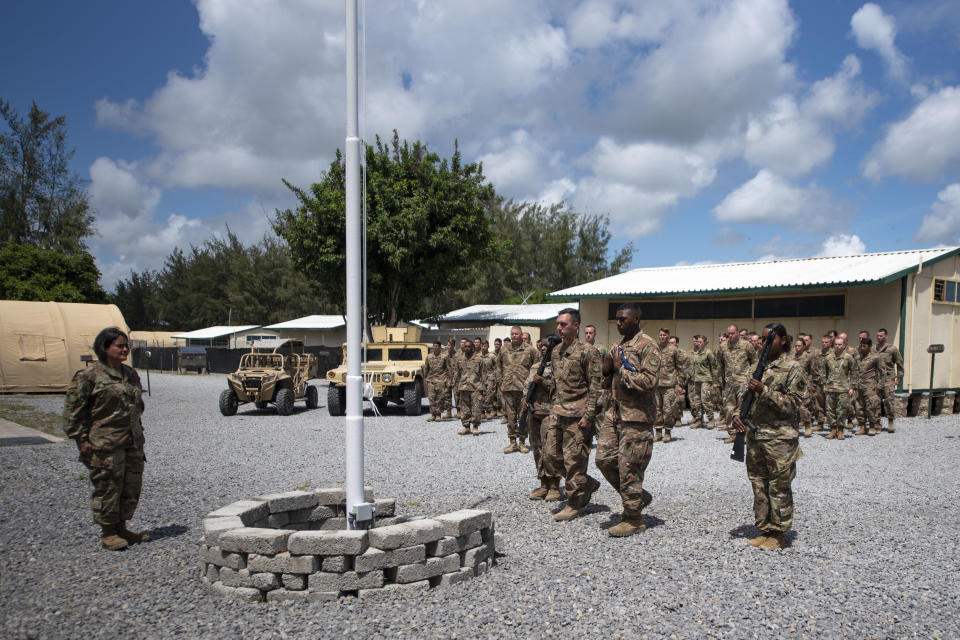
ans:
x=842 y=244
x=923 y=146
x=942 y=224
x=776 y=249
x=517 y=165
x=123 y=202
x=875 y=30
x=768 y=198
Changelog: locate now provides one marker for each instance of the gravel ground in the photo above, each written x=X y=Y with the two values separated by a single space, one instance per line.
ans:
x=873 y=553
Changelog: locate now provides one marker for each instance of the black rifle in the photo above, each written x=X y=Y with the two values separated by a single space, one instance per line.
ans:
x=747 y=404
x=552 y=341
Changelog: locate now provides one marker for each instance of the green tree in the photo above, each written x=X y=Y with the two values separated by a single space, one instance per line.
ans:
x=138 y=300
x=28 y=272
x=425 y=226
x=41 y=201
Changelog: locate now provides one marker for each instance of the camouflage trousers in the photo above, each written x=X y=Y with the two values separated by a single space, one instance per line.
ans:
x=771 y=467
x=702 y=401
x=511 y=408
x=730 y=405
x=624 y=450
x=470 y=406
x=117 y=477
x=538 y=424
x=892 y=405
x=667 y=406
x=490 y=400
x=836 y=409
x=869 y=403
x=436 y=392
x=567 y=447
x=815 y=403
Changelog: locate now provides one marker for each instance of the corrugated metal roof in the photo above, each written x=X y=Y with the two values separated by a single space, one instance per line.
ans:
x=743 y=277
x=310 y=322
x=507 y=312
x=214 y=332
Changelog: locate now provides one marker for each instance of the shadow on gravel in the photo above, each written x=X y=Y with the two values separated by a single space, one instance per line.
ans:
x=746 y=531
x=476 y=505
x=652 y=522
x=171 y=531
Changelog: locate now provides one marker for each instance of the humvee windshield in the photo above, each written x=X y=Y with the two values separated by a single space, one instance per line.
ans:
x=405 y=354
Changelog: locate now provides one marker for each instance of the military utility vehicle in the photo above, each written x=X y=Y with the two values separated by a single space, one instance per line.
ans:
x=273 y=372
x=393 y=367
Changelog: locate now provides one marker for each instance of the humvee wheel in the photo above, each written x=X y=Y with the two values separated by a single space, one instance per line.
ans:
x=284 y=402
x=336 y=400
x=228 y=402
x=412 y=394
x=261 y=405
x=313 y=398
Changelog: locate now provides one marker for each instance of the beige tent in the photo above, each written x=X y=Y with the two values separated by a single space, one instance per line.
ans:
x=150 y=339
x=42 y=344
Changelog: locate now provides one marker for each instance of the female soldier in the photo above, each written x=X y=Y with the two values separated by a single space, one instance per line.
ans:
x=773 y=449
x=102 y=413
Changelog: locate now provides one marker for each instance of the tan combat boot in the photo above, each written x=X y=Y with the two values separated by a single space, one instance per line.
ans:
x=840 y=435
x=808 y=432
x=711 y=424
x=109 y=539
x=432 y=418
x=541 y=493
x=890 y=425
x=476 y=430
x=522 y=446
x=696 y=424
x=627 y=527
x=592 y=485
x=504 y=421
x=553 y=490
x=666 y=435
x=513 y=448
x=658 y=435
x=760 y=539
x=678 y=422
x=567 y=513
x=861 y=431
x=447 y=415
x=731 y=436
x=133 y=537
x=833 y=433
x=872 y=431
x=774 y=541
x=465 y=431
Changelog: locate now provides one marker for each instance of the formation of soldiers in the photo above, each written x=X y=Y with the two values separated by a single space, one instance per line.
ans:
x=633 y=394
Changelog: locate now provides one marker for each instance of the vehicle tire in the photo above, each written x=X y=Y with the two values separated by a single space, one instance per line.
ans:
x=261 y=405
x=228 y=402
x=313 y=398
x=412 y=396
x=284 y=402
x=336 y=400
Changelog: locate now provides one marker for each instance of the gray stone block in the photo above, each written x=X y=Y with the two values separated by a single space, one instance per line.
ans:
x=389 y=521
x=264 y=581
x=488 y=533
x=463 y=574
x=213 y=528
x=481 y=568
x=301 y=515
x=408 y=555
x=348 y=581
x=435 y=567
x=280 y=595
x=406 y=534
x=464 y=521
x=232 y=578
x=451 y=563
x=283 y=563
x=384 y=507
x=249 y=511
x=328 y=543
x=330 y=497
x=299 y=526
x=470 y=540
x=321 y=513
x=473 y=557
x=289 y=500
x=212 y=573
x=443 y=547
x=334 y=524
x=390 y=590
x=322 y=596
x=337 y=564
x=372 y=559
x=278 y=520
x=244 y=594
x=407 y=573
x=294 y=581
x=252 y=540
x=215 y=555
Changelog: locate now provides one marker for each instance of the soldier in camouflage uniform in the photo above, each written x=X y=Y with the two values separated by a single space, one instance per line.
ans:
x=497 y=398
x=101 y=413
x=451 y=366
x=818 y=380
x=514 y=367
x=470 y=381
x=774 y=448
x=735 y=359
x=872 y=375
x=802 y=356
x=851 y=401
x=893 y=363
x=703 y=378
x=670 y=380
x=841 y=385
x=576 y=369
x=490 y=362
x=680 y=397
x=438 y=381
x=590 y=337
x=538 y=424
x=625 y=441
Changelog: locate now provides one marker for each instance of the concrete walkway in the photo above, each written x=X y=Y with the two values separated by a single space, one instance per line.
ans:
x=12 y=434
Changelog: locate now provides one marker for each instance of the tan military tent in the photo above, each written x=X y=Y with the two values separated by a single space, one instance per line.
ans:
x=148 y=339
x=42 y=344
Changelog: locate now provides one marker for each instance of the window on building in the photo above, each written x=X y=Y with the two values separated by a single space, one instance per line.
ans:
x=940 y=290
x=946 y=290
x=648 y=310
x=800 y=307
x=713 y=309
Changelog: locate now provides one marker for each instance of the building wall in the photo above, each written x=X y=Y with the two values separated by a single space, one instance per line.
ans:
x=316 y=337
x=932 y=323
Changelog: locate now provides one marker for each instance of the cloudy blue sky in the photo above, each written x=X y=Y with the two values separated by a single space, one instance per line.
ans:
x=708 y=130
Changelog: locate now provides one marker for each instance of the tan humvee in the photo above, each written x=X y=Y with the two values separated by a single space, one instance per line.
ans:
x=274 y=371
x=393 y=368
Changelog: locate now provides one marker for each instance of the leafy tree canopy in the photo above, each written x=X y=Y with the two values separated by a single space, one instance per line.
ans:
x=28 y=272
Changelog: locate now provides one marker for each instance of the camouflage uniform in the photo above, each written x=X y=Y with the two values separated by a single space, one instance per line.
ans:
x=817 y=377
x=470 y=381
x=893 y=363
x=625 y=441
x=773 y=449
x=436 y=375
x=804 y=414
x=577 y=371
x=669 y=376
x=454 y=365
x=841 y=377
x=451 y=372
x=514 y=366
x=490 y=400
x=853 y=404
x=604 y=400
x=703 y=374
x=103 y=407
x=872 y=374
x=734 y=363
x=538 y=423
